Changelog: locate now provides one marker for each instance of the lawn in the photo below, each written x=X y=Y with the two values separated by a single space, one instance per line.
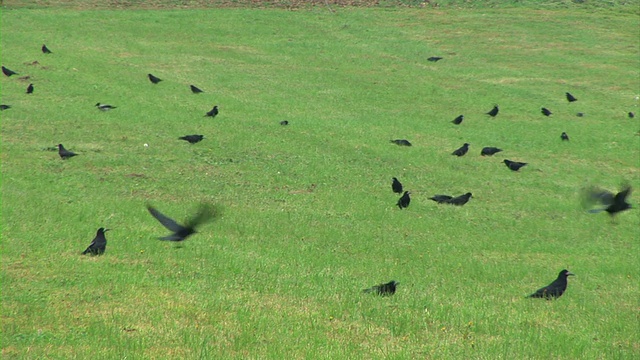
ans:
x=308 y=216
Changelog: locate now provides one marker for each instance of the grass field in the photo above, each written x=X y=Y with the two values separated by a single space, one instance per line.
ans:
x=309 y=218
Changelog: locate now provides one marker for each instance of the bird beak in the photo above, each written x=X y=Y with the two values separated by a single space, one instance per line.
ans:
x=571 y=274
x=105 y=230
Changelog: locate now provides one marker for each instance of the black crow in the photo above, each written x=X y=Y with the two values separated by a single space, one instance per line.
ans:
x=404 y=200
x=8 y=72
x=458 y=120
x=462 y=150
x=460 y=200
x=613 y=203
x=383 y=289
x=30 y=89
x=401 y=142
x=396 y=186
x=181 y=232
x=580 y=114
x=546 y=112
x=494 y=111
x=213 y=112
x=434 y=58
x=4 y=107
x=631 y=114
x=105 y=107
x=555 y=289
x=489 y=151
x=564 y=136
x=195 y=90
x=192 y=138
x=441 y=199
x=514 y=165
x=154 y=79
x=45 y=49
x=570 y=97
x=284 y=122
x=98 y=245
x=64 y=153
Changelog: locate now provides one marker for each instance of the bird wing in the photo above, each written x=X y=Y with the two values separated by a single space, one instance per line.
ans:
x=205 y=213
x=593 y=195
x=622 y=195
x=93 y=243
x=164 y=220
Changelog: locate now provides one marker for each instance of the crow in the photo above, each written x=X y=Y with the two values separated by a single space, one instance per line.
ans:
x=489 y=151
x=494 y=111
x=441 y=199
x=105 y=107
x=564 y=136
x=613 y=203
x=631 y=114
x=514 y=165
x=213 y=112
x=45 y=49
x=195 y=90
x=383 y=289
x=181 y=232
x=4 y=107
x=98 y=245
x=580 y=114
x=434 y=58
x=570 y=97
x=546 y=112
x=460 y=200
x=64 y=153
x=462 y=150
x=401 y=142
x=8 y=72
x=555 y=289
x=192 y=138
x=30 y=89
x=396 y=186
x=284 y=122
x=404 y=200
x=154 y=79
x=458 y=120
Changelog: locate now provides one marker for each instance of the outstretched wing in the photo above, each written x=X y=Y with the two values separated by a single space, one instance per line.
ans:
x=206 y=213
x=164 y=220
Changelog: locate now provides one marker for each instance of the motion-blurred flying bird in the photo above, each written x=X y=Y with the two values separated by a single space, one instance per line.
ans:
x=613 y=203
x=383 y=289
x=180 y=232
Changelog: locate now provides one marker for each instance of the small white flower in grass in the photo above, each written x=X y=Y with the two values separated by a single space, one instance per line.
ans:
x=146 y=145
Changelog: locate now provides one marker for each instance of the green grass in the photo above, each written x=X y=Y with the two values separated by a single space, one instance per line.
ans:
x=309 y=217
